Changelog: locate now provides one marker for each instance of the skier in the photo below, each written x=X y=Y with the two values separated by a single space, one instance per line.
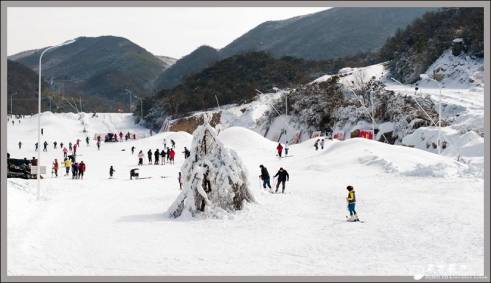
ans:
x=133 y=173
x=55 y=167
x=55 y=144
x=162 y=157
x=111 y=172
x=75 y=170
x=322 y=143
x=279 y=149
x=45 y=144
x=68 y=163
x=351 y=204
x=282 y=178
x=149 y=154
x=286 y=148
x=316 y=144
x=20 y=144
x=132 y=149
x=186 y=152
x=37 y=145
x=265 y=176
x=156 y=156
x=81 y=169
x=140 y=158
x=179 y=179
x=172 y=153
x=98 y=145
x=173 y=143
x=87 y=140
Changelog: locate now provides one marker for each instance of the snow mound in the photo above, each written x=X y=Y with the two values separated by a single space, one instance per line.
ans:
x=392 y=159
x=348 y=74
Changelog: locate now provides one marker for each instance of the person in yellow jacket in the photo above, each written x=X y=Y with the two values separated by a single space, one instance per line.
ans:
x=351 y=204
x=68 y=165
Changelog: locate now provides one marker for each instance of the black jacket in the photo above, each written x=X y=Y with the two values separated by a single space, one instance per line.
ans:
x=282 y=175
x=264 y=173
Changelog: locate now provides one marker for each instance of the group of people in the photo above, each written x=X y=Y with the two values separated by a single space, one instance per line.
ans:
x=156 y=157
x=282 y=175
x=280 y=148
x=77 y=169
x=113 y=137
x=319 y=142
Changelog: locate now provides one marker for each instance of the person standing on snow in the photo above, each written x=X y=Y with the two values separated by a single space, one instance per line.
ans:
x=65 y=152
x=265 y=176
x=20 y=144
x=75 y=170
x=322 y=143
x=140 y=158
x=279 y=149
x=168 y=154
x=149 y=154
x=286 y=148
x=55 y=167
x=75 y=148
x=173 y=143
x=61 y=144
x=45 y=148
x=98 y=145
x=87 y=140
x=81 y=169
x=282 y=178
x=156 y=156
x=42 y=131
x=132 y=149
x=172 y=154
x=162 y=157
x=70 y=146
x=111 y=172
x=351 y=199
x=316 y=145
x=36 y=145
x=55 y=144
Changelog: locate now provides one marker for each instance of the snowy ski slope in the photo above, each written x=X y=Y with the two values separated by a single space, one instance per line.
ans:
x=420 y=210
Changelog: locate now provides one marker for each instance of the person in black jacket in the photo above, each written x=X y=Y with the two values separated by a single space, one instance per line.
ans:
x=282 y=178
x=156 y=154
x=265 y=176
x=149 y=154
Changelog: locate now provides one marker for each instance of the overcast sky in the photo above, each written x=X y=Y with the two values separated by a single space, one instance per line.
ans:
x=172 y=32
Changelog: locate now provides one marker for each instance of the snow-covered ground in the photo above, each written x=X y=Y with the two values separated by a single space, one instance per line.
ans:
x=423 y=212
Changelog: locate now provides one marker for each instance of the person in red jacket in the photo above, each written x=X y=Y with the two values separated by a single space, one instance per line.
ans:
x=81 y=169
x=279 y=148
x=55 y=167
x=172 y=153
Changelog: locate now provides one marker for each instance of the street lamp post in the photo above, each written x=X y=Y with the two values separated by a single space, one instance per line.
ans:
x=38 y=171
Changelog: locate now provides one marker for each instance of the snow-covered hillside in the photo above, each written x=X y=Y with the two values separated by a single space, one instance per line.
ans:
x=420 y=210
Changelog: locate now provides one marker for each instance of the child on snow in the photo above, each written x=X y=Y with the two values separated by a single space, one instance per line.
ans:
x=351 y=204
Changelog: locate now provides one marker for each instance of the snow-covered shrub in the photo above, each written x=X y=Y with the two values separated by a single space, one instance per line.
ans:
x=214 y=178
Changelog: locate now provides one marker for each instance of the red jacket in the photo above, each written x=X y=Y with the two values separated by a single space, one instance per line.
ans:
x=172 y=153
x=81 y=167
x=279 y=148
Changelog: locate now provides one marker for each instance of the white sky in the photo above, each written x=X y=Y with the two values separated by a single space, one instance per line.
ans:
x=167 y=31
